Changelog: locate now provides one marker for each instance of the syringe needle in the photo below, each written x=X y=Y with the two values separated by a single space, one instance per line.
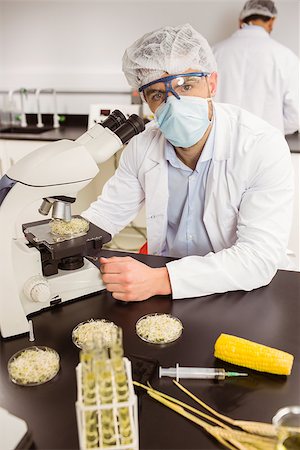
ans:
x=236 y=374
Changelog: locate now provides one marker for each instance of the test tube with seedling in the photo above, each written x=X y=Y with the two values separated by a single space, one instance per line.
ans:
x=121 y=383
x=116 y=354
x=105 y=390
x=89 y=395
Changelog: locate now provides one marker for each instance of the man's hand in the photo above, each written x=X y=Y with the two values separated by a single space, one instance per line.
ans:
x=130 y=280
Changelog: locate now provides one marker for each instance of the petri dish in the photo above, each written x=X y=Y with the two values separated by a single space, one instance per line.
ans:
x=33 y=366
x=287 y=425
x=159 y=328
x=86 y=331
x=76 y=227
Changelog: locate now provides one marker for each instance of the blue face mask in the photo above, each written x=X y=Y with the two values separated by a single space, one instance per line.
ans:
x=183 y=122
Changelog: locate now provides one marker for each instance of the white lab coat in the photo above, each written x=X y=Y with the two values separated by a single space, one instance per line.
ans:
x=247 y=211
x=258 y=74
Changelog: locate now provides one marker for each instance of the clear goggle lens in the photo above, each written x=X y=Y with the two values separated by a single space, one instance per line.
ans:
x=157 y=91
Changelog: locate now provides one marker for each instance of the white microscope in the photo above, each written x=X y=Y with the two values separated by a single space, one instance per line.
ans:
x=37 y=271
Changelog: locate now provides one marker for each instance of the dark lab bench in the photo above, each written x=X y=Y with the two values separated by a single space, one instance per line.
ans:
x=269 y=315
x=293 y=141
x=64 y=132
x=73 y=126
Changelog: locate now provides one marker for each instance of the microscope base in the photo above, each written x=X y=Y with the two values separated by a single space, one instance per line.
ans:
x=76 y=283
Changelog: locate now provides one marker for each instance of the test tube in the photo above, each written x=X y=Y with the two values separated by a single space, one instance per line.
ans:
x=121 y=383
x=89 y=395
x=105 y=389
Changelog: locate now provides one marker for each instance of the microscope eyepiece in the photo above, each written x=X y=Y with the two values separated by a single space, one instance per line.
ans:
x=133 y=125
x=114 y=120
x=104 y=140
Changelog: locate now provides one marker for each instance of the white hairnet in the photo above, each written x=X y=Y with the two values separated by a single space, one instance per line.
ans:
x=261 y=7
x=169 y=49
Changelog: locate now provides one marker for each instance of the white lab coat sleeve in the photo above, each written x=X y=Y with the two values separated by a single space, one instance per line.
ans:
x=291 y=116
x=122 y=196
x=263 y=226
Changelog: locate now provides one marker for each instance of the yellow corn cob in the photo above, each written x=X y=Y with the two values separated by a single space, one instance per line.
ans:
x=255 y=356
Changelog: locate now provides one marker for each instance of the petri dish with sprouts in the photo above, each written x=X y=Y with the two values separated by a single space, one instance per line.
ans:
x=76 y=227
x=89 y=330
x=33 y=366
x=159 y=328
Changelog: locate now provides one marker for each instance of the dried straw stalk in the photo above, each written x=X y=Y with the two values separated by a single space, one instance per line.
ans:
x=230 y=438
x=261 y=428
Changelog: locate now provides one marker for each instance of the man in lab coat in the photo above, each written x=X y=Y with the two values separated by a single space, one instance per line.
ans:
x=256 y=72
x=216 y=180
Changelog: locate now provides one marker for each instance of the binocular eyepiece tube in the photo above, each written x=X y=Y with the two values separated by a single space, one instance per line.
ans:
x=114 y=120
x=124 y=128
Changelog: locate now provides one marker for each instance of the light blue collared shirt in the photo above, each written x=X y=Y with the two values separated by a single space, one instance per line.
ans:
x=247 y=26
x=186 y=232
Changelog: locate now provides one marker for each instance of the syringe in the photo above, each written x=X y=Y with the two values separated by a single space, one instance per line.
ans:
x=197 y=372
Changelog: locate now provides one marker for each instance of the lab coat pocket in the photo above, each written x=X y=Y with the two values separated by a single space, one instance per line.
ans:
x=228 y=226
x=221 y=227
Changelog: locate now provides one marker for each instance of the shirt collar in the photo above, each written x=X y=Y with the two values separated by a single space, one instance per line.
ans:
x=253 y=29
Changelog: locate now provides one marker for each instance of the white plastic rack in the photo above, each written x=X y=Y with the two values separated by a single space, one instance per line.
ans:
x=98 y=410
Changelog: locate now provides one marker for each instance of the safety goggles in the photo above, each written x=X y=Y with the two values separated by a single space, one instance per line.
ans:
x=156 y=92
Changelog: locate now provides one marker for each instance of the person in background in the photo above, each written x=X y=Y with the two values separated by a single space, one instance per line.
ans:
x=216 y=180
x=256 y=72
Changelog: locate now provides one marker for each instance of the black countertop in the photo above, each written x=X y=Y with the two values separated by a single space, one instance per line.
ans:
x=72 y=127
x=293 y=141
x=63 y=132
x=269 y=315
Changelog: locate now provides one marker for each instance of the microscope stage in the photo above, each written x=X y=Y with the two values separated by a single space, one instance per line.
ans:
x=64 y=253
x=42 y=234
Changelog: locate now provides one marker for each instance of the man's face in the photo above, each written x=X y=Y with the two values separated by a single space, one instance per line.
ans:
x=195 y=86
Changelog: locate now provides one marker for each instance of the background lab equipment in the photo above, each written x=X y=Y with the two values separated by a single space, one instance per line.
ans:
x=30 y=277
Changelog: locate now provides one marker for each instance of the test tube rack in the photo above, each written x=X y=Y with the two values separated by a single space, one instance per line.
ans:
x=115 y=406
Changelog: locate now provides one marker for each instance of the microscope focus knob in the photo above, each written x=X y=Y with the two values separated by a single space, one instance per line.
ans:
x=37 y=289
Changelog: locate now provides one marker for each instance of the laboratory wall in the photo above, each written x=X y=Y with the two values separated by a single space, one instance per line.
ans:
x=77 y=46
